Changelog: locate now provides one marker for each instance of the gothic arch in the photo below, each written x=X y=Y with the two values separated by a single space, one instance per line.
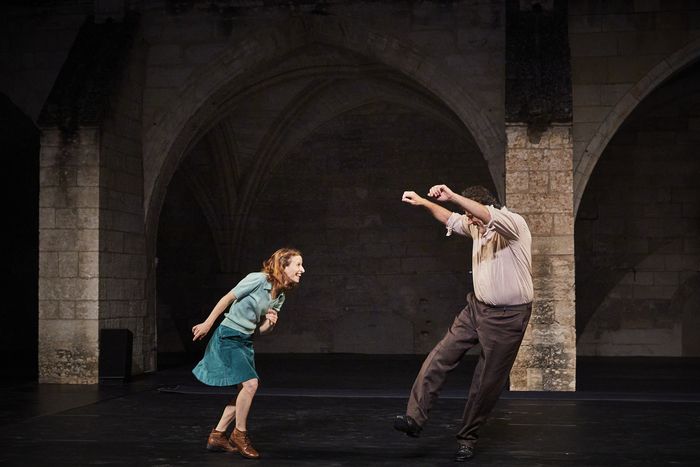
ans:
x=616 y=117
x=177 y=127
x=324 y=97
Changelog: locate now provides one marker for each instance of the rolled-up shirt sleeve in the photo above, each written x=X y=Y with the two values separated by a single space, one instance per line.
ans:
x=505 y=222
x=457 y=223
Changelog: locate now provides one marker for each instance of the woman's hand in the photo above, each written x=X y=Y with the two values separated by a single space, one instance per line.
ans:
x=269 y=323
x=271 y=317
x=200 y=330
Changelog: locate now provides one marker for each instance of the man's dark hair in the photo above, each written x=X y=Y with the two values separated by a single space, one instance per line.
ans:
x=481 y=195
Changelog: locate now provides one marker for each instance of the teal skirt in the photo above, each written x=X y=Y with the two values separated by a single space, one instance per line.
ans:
x=228 y=360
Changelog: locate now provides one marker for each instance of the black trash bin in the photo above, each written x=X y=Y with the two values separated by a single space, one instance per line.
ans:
x=115 y=354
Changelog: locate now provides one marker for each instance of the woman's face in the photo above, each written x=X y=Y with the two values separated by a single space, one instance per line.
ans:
x=294 y=269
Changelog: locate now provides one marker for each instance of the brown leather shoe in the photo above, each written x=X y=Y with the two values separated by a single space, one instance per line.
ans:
x=241 y=441
x=218 y=442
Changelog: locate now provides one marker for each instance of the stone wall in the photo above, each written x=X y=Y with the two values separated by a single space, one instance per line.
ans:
x=122 y=260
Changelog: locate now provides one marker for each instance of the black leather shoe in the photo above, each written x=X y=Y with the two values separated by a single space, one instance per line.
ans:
x=464 y=453
x=408 y=425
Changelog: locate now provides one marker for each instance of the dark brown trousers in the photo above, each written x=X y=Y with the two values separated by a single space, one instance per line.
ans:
x=500 y=331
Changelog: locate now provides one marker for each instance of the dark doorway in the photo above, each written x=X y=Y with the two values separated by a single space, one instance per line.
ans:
x=19 y=139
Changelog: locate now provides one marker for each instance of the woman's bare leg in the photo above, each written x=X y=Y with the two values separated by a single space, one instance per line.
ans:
x=244 y=401
x=227 y=417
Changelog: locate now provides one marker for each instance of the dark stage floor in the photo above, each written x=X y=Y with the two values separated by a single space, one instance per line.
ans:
x=337 y=411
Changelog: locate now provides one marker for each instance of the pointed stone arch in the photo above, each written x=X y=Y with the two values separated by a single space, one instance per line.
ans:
x=179 y=126
x=617 y=116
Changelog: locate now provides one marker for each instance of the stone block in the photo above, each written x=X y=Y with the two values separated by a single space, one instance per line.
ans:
x=164 y=54
x=122 y=289
x=48 y=264
x=679 y=263
x=565 y=313
x=86 y=310
x=87 y=240
x=83 y=197
x=88 y=264
x=535 y=379
x=518 y=379
x=588 y=70
x=66 y=309
x=599 y=44
x=560 y=137
x=517 y=182
x=590 y=114
x=88 y=176
x=48 y=309
x=538 y=159
x=552 y=245
x=57 y=240
x=539 y=182
x=629 y=69
x=554 y=289
x=167 y=77
x=611 y=94
x=68 y=351
x=53 y=197
x=542 y=312
x=660 y=292
x=47 y=218
x=585 y=23
x=48 y=177
x=584 y=132
x=68 y=264
x=559 y=379
x=540 y=223
x=586 y=95
x=563 y=224
x=541 y=203
x=516 y=137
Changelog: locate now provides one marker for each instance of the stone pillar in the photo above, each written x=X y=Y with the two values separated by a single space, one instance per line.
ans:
x=92 y=249
x=539 y=185
x=69 y=201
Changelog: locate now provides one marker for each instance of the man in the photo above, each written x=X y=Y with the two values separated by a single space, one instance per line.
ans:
x=496 y=314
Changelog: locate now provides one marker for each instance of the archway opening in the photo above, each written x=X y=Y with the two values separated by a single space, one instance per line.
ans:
x=638 y=230
x=319 y=162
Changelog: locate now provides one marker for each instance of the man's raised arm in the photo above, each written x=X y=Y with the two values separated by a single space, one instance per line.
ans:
x=438 y=212
x=476 y=209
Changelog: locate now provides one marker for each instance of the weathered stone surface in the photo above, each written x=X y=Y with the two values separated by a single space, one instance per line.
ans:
x=550 y=341
x=68 y=351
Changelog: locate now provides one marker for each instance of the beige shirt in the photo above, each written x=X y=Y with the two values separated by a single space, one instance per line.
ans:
x=501 y=257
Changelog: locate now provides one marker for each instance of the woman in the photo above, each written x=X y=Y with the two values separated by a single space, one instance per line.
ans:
x=228 y=360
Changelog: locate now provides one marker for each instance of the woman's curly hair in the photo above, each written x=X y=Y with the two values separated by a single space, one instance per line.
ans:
x=274 y=266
